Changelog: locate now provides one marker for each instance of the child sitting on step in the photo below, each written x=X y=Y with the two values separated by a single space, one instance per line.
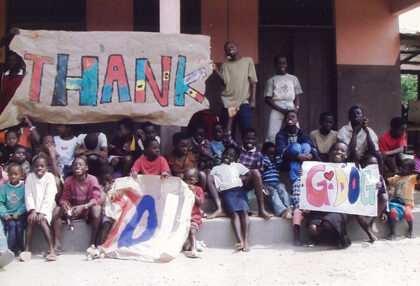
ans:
x=40 y=191
x=227 y=180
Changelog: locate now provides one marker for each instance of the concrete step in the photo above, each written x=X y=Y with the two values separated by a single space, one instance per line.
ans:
x=217 y=233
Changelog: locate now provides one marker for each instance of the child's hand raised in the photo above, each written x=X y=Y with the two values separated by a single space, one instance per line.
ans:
x=140 y=133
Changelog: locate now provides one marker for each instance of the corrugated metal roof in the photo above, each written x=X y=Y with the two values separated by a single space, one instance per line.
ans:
x=410 y=51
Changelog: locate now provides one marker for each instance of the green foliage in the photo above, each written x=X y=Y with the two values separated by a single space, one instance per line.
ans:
x=408 y=88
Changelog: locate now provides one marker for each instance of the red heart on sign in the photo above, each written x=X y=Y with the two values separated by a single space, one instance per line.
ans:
x=329 y=175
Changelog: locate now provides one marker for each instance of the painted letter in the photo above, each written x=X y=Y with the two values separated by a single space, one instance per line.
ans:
x=37 y=68
x=181 y=87
x=116 y=72
x=316 y=197
x=87 y=84
x=144 y=71
x=342 y=187
x=368 y=189
x=354 y=185
x=147 y=204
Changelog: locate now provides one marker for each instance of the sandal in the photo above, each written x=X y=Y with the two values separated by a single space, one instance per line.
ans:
x=51 y=257
x=239 y=246
x=25 y=256
x=193 y=254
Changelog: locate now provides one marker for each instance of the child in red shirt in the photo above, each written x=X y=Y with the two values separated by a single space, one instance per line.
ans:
x=393 y=143
x=152 y=163
x=191 y=178
x=82 y=197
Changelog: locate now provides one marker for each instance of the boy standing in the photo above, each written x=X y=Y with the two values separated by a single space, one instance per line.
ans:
x=393 y=143
x=240 y=83
x=281 y=93
x=324 y=138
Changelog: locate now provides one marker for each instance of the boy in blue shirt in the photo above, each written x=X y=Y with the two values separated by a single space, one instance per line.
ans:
x=280 y=199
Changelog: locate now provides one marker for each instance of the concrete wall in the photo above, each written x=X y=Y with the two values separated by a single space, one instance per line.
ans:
x=233 y=20
x=367 y=47
x=109 y=15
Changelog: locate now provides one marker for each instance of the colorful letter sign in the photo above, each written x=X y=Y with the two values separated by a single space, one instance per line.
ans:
x=88 y=77
x=339 y=187
x=153 y=219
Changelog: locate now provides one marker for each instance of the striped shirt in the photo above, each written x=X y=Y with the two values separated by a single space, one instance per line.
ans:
x=271 y=172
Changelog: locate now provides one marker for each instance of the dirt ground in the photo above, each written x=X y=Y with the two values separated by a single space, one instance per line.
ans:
x=383 y=263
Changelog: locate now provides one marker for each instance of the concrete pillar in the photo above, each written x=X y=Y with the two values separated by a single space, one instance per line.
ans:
x=169 y=22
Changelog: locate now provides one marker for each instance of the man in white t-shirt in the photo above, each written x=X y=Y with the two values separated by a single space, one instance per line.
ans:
x=281 y=93
x=95 y=147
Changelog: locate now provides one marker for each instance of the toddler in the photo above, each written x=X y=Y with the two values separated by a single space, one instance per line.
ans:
x=12 y=208
x=191 y=178
x=402 y=202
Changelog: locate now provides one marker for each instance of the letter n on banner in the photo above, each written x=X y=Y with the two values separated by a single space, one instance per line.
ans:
x=144 y=71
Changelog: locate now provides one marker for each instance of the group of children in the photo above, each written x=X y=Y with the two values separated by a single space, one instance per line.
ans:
x=47 y=180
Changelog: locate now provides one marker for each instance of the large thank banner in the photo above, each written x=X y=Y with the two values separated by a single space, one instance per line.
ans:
x=339 y=187
x=88 y=77
x=153 y=218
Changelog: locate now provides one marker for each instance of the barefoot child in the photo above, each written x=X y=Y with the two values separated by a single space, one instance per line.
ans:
x=12 y=208
x=280 y=199
x=82 y=196
x=226 y=179
x=402 y=203
x=152 y=163
x=40 y=191
x=251 y=158
x=382 y=200
x=191 y=178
